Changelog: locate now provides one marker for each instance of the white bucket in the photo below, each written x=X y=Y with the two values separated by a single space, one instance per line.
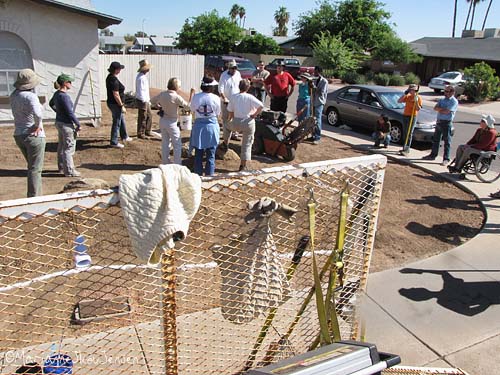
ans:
x=186 y=122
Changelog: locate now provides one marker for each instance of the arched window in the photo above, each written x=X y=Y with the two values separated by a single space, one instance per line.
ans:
x=14 y=56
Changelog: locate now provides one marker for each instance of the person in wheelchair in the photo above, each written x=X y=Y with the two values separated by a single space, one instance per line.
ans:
x=484 y=139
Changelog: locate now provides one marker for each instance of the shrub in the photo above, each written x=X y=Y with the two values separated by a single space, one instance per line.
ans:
x=396 y=80
x=481 y=83
x=412 y=78
x=381 y=79
x=352 y=78
x=369 y=76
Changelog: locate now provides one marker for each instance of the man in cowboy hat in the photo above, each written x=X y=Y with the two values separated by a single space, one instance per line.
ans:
x=28 y=128
x=144 y=119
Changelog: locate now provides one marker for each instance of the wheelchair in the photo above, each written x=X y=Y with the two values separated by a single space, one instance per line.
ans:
x=485 y=165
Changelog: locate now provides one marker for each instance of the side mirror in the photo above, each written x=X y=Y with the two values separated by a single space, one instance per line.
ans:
x=376 y=104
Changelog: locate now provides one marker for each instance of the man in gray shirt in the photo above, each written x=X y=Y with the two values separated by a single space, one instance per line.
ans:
x=319 y=100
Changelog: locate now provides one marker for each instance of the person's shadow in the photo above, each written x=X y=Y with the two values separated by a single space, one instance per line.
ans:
x=463 y=297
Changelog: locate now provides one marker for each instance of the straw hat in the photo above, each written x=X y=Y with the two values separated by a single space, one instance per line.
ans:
x=306 y=76
x=413 y=87
x=26 y=80
x=144 y=65
x=232 y=64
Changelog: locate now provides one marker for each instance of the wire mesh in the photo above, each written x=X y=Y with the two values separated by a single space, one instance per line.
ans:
x=410 y=370
x=203 y=310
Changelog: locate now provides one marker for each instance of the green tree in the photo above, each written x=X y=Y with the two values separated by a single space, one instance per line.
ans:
x=208 y=34
x=482 y=83
x=334 y=54
x=242 y=13
x=359 y=23
x=282 y=17
x=259 y=44
x=129 y=37
x=486 y=14
x=141 y=34
x=391 y=47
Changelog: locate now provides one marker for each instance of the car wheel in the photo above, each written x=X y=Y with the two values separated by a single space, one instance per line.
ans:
x=437 y=91
x=290 y=154
x=258 y=146
x=332 y=116
x=396 y=133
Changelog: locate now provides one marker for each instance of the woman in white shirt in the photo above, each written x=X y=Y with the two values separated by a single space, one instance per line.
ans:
x=170 y=101
x=243 y=109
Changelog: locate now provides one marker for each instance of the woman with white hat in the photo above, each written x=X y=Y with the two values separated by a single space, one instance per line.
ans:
x=28 y=131
x=67 y=125
x=484 y=139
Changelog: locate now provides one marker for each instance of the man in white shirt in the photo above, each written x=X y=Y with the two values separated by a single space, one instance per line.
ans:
x=144 y=119
x=243 y=109
x=228 y=86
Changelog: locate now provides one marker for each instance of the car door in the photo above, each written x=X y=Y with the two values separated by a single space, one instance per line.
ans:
x=346 y=103
x=368 y=110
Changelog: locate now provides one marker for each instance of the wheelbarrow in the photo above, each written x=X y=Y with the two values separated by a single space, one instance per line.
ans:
x=275 y=137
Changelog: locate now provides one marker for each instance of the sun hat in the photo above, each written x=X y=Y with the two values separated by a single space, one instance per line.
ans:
x=64 y=78
x=413 y=87
x=232 y=64
x=306 y=76
x=144 y=65
x=489 y=120
x=26 y=80
x=115 y=65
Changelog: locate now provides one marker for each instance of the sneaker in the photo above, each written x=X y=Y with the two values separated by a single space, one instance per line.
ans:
x=140 y=136
x=404 y=152
x=445 y=163
x=316 y=142
x=128 y=139
x=385 y=146
x=243 y=168
x=118 y=145
x=430 y=157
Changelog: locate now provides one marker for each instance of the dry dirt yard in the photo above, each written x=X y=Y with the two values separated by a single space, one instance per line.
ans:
x=421 y=215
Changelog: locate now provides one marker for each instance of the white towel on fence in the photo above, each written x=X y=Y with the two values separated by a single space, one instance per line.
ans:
x=158 y=203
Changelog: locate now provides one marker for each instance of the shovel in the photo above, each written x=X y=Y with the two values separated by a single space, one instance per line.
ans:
x=95 y=122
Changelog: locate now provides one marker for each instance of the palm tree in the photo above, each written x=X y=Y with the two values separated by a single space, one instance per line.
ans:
x=454 y=19
x=281 y=16
x=241 y=13
x=472 y=7
x=486 y=15
x=233 y=13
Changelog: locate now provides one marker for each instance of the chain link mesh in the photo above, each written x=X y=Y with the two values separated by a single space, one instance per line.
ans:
x=202 y=310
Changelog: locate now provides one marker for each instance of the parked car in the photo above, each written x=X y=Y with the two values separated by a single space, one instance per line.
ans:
x=292 y=66
x=449 y=78
x=361 y=105
x=216 y=64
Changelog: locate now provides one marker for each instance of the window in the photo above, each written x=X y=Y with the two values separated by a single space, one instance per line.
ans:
x=14 y=56
x=350 y=94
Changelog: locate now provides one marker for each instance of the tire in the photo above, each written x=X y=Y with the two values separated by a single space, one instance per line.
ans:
x=332 y=116
x=290 y=154
x=397 y=133
x=258 y=146
x=487 y=167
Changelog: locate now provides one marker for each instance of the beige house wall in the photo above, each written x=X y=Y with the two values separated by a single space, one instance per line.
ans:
x=59 y=41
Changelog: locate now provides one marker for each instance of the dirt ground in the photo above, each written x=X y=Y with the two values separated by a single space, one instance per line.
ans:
x=421 y=215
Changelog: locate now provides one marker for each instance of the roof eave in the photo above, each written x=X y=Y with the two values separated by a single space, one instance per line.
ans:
x=103 y=20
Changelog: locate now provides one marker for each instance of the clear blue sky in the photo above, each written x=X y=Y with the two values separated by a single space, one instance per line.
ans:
x=412 y=19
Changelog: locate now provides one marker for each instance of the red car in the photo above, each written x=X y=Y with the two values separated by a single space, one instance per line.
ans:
x=216 y=64
x=292 y=66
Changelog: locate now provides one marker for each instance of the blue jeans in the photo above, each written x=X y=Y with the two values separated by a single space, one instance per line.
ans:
x=318 y=113
x=209 y=164
x=406 y=125
x=377 y=139
x=301 y=103
x=118 y=124
x=33 y=149
x=443 y=130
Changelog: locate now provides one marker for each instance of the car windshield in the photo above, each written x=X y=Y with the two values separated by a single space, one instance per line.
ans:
x=390 y=99
x=449 y=75
x=245 y=65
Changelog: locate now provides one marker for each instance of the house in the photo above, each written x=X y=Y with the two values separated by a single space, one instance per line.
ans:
x=112 y=44
x=291 y=46
x=142 y=45
x=446 y=54
x=51 y=37
x=166 y=44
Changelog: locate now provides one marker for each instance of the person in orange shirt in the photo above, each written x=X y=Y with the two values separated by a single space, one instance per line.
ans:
x=413 y=103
